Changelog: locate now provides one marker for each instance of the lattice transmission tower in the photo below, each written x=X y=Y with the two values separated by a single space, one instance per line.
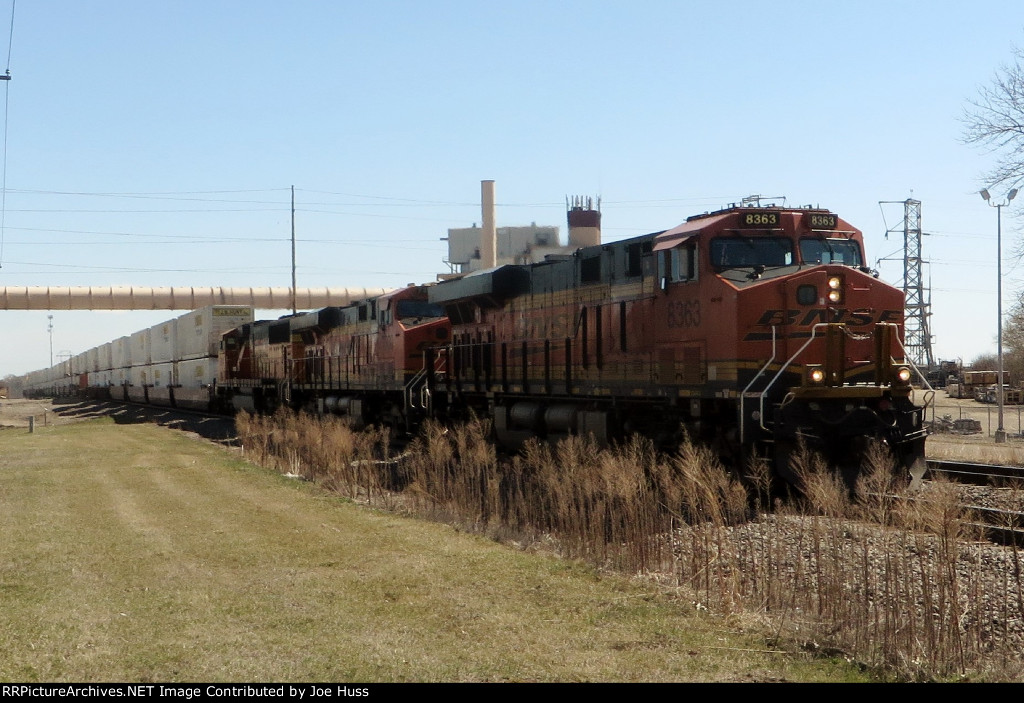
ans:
x=917 y=306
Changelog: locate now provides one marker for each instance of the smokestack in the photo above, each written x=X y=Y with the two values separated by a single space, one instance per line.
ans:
x=584 y=222
x=489 y=234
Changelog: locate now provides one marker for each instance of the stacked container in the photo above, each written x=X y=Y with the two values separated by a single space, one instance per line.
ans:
x=197 y=342
x=121 y=354
x=174 y=362
x=161 y=340
x=140 y=349
x=106 y=357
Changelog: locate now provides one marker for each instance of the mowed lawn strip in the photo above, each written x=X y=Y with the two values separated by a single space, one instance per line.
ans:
x=136 y=553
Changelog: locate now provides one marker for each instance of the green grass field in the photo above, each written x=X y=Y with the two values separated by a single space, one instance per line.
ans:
x=135 y=553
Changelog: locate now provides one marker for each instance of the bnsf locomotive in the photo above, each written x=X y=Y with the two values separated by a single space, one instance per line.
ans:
x=364 y=360
x=753 y=329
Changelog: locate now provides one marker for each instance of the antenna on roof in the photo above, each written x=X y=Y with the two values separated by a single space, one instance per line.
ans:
x=755 y=200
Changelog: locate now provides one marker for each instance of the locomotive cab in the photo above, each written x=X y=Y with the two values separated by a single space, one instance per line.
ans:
x=837 y=372
x=790 y=323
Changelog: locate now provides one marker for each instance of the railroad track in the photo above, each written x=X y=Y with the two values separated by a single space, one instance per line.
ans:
x=968 y=472
x=1000 y=525
x=1003 y=526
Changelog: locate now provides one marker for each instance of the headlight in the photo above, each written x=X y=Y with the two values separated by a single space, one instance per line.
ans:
x=816 y=375
x=903 y=375
x=835 y=289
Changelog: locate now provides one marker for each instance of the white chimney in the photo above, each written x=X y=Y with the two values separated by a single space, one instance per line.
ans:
x=489 y=234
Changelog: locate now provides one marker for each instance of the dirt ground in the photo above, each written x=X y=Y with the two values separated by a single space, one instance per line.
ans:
x=16 y=412
x=976 y=447
x=985 y=413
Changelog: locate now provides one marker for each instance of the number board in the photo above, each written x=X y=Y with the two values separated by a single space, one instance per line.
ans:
x=821 y=220
x=760 y=218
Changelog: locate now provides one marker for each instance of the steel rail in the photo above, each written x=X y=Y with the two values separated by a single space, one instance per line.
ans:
x=970 y=472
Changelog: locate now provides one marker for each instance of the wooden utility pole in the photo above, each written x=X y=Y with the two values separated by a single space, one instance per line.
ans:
x=294 y=310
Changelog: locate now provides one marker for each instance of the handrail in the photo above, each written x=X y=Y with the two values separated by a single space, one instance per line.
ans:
x=743 y=395
x=929 y=395
x=439 y=363
x=410 y=388
x=764 y=393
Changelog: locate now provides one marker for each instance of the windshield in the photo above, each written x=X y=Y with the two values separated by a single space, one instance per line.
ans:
x=830 y=251
x=751 y=251
x=418 y=308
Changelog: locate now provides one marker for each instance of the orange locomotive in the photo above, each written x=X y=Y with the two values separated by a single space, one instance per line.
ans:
x=752 y=328
x=364 y=360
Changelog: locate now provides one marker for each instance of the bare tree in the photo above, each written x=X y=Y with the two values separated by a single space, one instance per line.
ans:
x=995 y=122
x=1013 y=340
x=983 y=362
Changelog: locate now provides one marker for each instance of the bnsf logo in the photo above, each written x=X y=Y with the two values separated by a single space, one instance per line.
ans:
x=854 y=318
x=798 y=318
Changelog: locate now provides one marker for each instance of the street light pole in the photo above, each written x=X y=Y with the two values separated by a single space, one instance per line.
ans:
x=1000 y=432
x=49 y=329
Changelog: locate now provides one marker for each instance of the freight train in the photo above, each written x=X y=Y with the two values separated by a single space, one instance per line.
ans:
x=753 y=329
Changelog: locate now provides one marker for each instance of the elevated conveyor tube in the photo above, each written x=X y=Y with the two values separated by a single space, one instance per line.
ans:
x=142 y=298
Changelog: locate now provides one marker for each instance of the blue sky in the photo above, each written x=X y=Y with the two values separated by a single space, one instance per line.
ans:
x=155 y=143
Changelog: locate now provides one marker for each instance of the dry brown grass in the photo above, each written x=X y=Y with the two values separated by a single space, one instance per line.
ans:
x=976 y=448
x=873 y=575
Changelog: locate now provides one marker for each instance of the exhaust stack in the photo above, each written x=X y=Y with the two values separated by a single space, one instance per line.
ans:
x=489 y=234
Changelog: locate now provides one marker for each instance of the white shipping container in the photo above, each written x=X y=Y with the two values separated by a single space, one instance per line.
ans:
x=106 y=352
x=198 y=332
x=139 y=376
x=162 y=342
x=197 y=373
x=121 y=355
x=80 y=364
x=163 y=375
x=92 y=360
x=140 y=348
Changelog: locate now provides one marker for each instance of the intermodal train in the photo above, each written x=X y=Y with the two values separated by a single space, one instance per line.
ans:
x=754 y=329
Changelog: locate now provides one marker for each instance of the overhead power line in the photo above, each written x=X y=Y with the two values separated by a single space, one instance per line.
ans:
x=6 y=77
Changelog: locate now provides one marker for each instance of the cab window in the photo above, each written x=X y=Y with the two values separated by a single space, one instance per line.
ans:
x=679 y=264
x=741 y=252
x=830 y=251
x=418 y=308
